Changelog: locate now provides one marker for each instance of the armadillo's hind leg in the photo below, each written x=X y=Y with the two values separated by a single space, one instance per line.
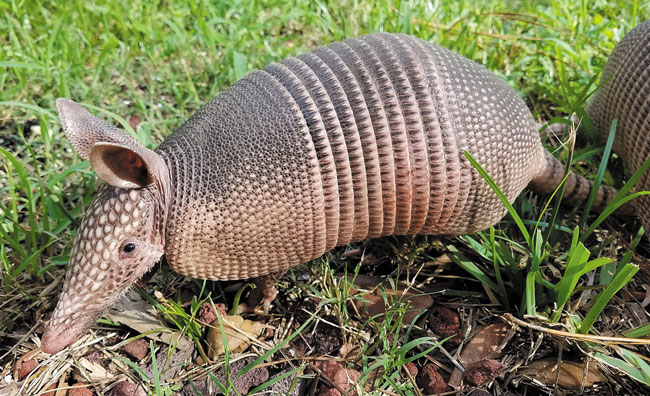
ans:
x=577 y=187
x=264 y=292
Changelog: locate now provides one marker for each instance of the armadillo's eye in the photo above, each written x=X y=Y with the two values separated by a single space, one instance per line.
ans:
x=129 y=247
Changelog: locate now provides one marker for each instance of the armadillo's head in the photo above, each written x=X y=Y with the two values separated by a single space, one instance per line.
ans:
x=122 y=234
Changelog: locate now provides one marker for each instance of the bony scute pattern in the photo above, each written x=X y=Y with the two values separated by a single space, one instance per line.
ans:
x=358 y=139
x=286 y=159
x=115 y=217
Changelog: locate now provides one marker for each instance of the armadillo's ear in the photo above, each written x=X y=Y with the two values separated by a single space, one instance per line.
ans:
x=125 y=166
x=83 y=129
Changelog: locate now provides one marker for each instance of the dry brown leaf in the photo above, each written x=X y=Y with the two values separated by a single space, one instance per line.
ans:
x=9 y=389
x=95 y=371
x=484 y=345
x=239 y=333
x=571 y=373
x=349 y=351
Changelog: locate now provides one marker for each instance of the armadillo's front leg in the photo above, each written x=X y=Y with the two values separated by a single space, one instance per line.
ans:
x=264 y=292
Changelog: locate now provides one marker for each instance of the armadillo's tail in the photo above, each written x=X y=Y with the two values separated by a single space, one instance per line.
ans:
x=577 y=189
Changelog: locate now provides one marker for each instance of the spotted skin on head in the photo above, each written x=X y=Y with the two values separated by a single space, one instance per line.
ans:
x=122 y=234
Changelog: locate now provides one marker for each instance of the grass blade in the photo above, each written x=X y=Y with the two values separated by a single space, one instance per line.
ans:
x=470 y=267
x=639 y=332
x=27 y=189
x=602 y=168
x=134 y=366
x=624 y=275
x=632 y=366
x=154 y=368
x=275 y=380
x=620 y=198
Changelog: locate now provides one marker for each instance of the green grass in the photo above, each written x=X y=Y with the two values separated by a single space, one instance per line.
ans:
x=159 y=61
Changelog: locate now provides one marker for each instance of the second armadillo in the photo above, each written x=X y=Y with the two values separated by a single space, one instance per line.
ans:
x=624 y=95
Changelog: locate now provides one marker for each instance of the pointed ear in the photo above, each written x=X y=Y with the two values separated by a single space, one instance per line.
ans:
x=83 y=129
x=125 y=166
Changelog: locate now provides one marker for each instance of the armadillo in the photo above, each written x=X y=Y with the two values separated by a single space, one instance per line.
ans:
x=624 y=95
x=359 y=139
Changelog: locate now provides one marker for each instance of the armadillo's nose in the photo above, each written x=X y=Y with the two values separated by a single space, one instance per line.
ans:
x=69 y=321
x=56 y=338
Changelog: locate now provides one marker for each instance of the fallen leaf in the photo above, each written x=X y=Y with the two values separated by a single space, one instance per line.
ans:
x=571 y=373
x=10 y=389
x=484 y=345
x=133 y=311
x=239 y=333
x=94 y=371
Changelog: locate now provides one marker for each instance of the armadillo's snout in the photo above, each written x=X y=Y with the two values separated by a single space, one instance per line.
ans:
x=75 y=312
x=59 y=336
x=115 y=246
x=54 y=340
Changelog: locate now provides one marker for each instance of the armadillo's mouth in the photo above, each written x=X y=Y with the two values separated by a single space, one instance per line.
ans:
x=58 y=337
x=76 y=311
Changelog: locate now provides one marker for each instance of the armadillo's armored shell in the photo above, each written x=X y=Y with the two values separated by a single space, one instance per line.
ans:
x=624 y=95
x=358 y=139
